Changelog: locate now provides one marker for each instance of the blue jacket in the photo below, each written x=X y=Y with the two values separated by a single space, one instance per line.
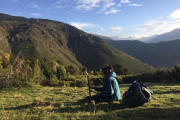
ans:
x=110 y=90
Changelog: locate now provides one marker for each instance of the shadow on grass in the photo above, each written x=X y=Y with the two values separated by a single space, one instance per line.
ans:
x=161 y=84
x=70 y=107
x=80 y=107
x=168 y=92
x=18 y=107
x=27 y=106
x=139 y=114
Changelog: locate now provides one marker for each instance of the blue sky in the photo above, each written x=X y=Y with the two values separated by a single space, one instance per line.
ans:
x=119 y=19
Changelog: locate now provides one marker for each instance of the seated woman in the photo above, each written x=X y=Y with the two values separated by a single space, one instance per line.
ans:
x=110 y=90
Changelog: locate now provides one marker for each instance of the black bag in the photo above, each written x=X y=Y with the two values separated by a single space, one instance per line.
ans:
x=137 y=94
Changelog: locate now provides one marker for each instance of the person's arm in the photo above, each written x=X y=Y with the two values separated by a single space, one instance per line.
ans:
x=100 y=89
x=110 y=88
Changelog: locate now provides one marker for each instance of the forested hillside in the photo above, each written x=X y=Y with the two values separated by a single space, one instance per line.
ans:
x=162 y=54
x=53 y=40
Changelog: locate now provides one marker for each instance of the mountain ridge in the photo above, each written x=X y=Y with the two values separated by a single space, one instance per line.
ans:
x=53 y=40
x=162 y=54
x=169 y=36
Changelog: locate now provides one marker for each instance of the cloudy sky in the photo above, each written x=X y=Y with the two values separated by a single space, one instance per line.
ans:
x=119 y=19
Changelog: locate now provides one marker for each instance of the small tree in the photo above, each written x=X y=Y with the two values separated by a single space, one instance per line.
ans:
x=120 y=69
x=61 y=72
x=37 y=74
x=71 y=69
x=6 y=60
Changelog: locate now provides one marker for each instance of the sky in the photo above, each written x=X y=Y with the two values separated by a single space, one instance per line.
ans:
x=118 y=19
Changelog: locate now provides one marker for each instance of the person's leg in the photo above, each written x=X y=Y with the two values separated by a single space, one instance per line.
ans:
x=96 y=99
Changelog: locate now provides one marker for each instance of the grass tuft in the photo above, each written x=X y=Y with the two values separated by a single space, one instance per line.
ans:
x=40 y=103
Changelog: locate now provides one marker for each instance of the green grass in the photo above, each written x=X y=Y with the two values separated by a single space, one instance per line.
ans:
x=65 y=103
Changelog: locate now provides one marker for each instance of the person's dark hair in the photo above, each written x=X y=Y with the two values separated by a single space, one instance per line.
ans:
x=108 y=69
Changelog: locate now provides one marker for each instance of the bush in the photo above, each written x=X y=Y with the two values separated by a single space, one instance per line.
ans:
x=119 y=79
x=61 y=72
x=160 y=75
x=81 y=83
x=53 y=81
x=23 y=77
x=96 y=81
x=38 y=76
x=1 y=67
x=120 y=69
x=71 y=69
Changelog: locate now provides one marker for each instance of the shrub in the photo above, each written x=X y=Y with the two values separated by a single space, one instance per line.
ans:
x=1 y=67
x=120 y=69
x=38 y=76
x=96 y=81
x=119 y=79
x=61 y=72
x=71 y=69
x=81 y=83
x=23 y=77
x=53 y=81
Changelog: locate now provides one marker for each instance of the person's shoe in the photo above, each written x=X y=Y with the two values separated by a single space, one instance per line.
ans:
x=93 y=102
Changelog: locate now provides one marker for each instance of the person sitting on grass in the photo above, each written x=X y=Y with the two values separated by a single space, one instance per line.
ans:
x=110 y=90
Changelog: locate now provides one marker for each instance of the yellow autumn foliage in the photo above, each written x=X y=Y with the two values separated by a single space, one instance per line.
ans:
x=7 y=57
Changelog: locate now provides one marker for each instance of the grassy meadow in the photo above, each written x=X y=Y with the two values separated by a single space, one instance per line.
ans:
x=55 y=103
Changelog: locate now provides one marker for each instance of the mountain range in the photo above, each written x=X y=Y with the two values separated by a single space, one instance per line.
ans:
x=161 y=54
x=53 y=40
x=173 y=35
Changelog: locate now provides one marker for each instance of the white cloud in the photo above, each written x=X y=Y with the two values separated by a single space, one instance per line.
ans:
x=107 y=5
x=125 y=1
x=159 y=17
x=126 y=37
x=59 y=6
x=87 y=4
x=86 y=7
x=102 y=29
x=112 y=11
x=119 y=5
x=116 y=29
x=88 y=1
x=90 y=4
x=175 y=14
x=135 y=5
x=153 y=27
x=34 y=5
x=81 y=26
x=140 y=29
x=129 y=37
x=35 y=14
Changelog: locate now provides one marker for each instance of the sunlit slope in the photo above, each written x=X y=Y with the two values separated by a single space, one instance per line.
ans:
x=54 y=40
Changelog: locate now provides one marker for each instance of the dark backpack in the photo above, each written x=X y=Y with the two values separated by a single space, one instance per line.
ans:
x=137 y=94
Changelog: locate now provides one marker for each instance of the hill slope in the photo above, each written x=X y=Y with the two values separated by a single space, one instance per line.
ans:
x=54 y=40
x=162 y=54
x=103 y=37
x=173 y=35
